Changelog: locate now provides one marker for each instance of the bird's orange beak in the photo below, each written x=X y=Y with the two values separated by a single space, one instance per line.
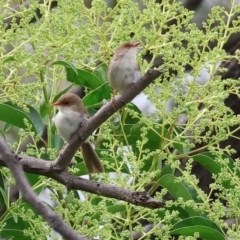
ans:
x=56 y=104
x=136 y=44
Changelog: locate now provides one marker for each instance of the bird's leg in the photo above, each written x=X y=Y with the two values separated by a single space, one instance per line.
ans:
x=133 y=84
x=113 y=98
x=83 y=124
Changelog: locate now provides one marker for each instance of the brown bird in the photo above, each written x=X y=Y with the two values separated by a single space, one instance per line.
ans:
x=71 y=115
x=123 y=69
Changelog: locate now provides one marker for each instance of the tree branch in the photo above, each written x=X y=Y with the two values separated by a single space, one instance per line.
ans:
x=29 y=195
x=43 y=167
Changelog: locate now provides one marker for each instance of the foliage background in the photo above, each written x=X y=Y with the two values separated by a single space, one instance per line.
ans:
x=156 y=152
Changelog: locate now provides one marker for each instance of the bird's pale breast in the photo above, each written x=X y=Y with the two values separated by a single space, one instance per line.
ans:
x=68 y=123
x=122 y=73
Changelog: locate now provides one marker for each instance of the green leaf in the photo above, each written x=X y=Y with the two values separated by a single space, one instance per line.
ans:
x=128 y=118
x=86 y=79
x=15 y=231
x=9 y=59
x=182 y=214
x=180 y=190
x=95 y=98
x=166 y=170
x=62 y=92
x=117 y=208
x=3 y=196
x=56 y=141
x=34 y=181
x=101 y=72
x=208 y=161
x=68 y=67
x=7 y=126
x=15 y=115
x=79 y=76
x=154 y=135
x=181 y=148
x=207 y=229
x=82 y=170
x=15 y=217
x=2 y=133
x=111 y=208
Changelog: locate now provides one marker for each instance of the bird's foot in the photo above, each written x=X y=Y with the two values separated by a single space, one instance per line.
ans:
x=133 y=84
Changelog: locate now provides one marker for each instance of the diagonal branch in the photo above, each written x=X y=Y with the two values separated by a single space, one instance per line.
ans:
x=53 y=219
x=63 y=161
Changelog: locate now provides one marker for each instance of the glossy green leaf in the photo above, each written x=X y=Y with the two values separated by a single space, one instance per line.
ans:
x=181 y=148
x=79 y=76
x=101 y=72
x=2 y=133
x=2 y=193
x=7 y=126
x=207 y=229
x=111 y=208
x=166 y=170
x=133 y=134
x=153 y=135
x=82 y=170
x=182 y=214
x=127 y=117
x=95 y=98
x=179 y=189
x=96 y=200
x=15 y=231
x=208 y=161
x=69 y=67
x=86 y=79
x=34 y=181
x=15 y=217
x=9 y=59
x=15 y=115
x=56 y=140
x=117 y=208
x=62 y=92
x=4 y=201
x=32 y=178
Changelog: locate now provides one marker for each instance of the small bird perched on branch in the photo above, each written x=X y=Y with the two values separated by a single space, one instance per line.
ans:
x=71 y=115
x=123 y=68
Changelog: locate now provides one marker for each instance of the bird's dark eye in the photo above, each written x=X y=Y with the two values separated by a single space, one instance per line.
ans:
x=127 y=45
x=66 y=103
